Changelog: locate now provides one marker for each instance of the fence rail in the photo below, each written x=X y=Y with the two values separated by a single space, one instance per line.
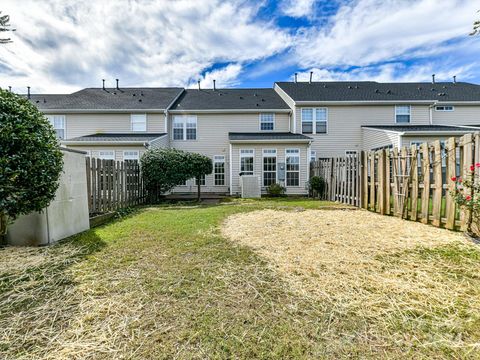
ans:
x=113 y=185
x=413 y=182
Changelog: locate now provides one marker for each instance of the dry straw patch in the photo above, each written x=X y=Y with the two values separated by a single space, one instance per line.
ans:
x=395 y=279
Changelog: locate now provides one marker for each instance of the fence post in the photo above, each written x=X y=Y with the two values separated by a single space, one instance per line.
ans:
x=449 y=197
x=372 y=181
x=414 y=192
x=437 y=178
x=381 y=182
x=364 y=161
x=467 y=162
x=425 y=148
x=388 y=183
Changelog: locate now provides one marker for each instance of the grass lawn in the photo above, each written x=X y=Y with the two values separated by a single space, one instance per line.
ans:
x=165 y=283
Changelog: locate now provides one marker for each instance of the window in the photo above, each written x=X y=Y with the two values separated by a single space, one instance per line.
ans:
x=131 y=155
x=246 y=162
x=267 y=122
x=444 y=108
x=106 y=154
x=313 y=155
x=58 y=123
x=402 y=114
x=219 y=170
x=314 y=121
x=139 y=122
x=269 y=167
x=292 y=157
x=351 y=152
x=185 y=127
x=202 y=181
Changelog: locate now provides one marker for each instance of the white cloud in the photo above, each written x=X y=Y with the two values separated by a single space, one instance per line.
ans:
x=63 y=45
x=371 y=31
x=297 y=8
x=224 y=77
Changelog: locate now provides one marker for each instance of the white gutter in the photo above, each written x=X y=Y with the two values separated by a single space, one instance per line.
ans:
x=230 y=161
x=299 y=141
x=68 y=142
x=93 y=111
x=228 y=111
x=365 y=102
x=382 y=130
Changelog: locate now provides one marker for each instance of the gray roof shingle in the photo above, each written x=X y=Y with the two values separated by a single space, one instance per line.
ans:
x=267 y=136
x=426 y=128
x=116 y=137
x=375 y=91
x=109 y=99
x=226 y=99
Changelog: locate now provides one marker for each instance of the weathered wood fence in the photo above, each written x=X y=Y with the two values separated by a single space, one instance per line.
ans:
x=113 y=185
x=413 y=182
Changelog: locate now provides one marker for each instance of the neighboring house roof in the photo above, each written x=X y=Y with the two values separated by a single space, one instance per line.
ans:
x=375 y=91
x=116 y=137
x=229 y=99
x=420 y=128
x=109 y=99
x=268 y=136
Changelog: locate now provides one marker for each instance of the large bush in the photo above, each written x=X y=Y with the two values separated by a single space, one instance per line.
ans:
x=276 y=190
x=163 y=169
x=30 y=159
x=317 y=184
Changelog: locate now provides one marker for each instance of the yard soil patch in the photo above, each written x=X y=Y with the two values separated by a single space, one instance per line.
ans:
x=406 y=285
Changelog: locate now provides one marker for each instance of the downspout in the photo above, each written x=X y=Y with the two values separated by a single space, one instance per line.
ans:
x=290 y=122
x=230 y=160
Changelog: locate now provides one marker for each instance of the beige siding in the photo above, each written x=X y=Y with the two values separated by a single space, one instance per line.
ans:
x=258 y=163
x=94 y=149
x=373 y=139
x=344 y=126
x=87 y=124
x=462 y=115
x=406 y=140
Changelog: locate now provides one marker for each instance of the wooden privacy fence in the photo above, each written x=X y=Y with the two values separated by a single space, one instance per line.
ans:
x=342 y=178
x=113 y=185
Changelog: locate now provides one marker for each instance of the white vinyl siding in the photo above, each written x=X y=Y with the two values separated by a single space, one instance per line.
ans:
x=247 y=161
x=202 y=181
x=267 y=122
x=402 y=114
x=184 y=127
x=138 y=122
x=444 y=108
x=292 y=167
x=219 y=170
x=313 y=155
x=269 y=166
x=314 y=120
x=58 y=123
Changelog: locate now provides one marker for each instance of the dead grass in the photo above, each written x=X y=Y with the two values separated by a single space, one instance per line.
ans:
x=406 y=285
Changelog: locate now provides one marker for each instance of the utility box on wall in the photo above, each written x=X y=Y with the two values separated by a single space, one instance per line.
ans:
x=66 y=215
x=281 y=172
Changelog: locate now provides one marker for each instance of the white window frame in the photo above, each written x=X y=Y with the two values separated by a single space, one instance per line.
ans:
x=313 y=155
x=138 y=119
x=137 y=158
x=108 y=157
x=184 y=120
x=409 y=113
x=443 y=108
x=52 y=118
x=269 y=153
x=299 y=167
x=219 y=159
x=266 y=122
x=315 y=120
x=351 y=152
x=251 y=153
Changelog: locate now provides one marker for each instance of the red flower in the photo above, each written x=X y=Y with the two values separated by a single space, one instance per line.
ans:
x=472 y=167
x=477 y=165
x=468 y=198
x=454 y=178
x=459 y=180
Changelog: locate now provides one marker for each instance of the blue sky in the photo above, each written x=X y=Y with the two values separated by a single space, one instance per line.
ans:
x=65 y=45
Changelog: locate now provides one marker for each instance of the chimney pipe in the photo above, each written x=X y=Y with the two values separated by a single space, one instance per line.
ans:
x=117 y=84
x=28 y=91
x=296 y=77
x=103 y=84
x=198 y=84
x=311 y=74
x=10 y=88
x=433 y=78
x=454 y=79
x=214 y=87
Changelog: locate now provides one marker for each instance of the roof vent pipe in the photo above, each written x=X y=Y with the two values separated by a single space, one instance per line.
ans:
x=296 y=77
x=10 y=88
x=28 y=92
x=117 y=84
x=214 y=87
x=454 y=79
x=103 y=84
x=198 y=84
x=433 y=78
x=311 y=74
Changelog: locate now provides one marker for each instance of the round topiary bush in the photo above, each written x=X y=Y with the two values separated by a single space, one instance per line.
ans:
x=30 y=159
x=317 y=184
x=276 y=190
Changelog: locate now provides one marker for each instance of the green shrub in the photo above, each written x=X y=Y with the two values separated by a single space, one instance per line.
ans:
x=30 y=159
x=317 y=184
x=276 y=190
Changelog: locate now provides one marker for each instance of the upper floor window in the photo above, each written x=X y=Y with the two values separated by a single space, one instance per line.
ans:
x=267 y=122
x=402 y=114
x=131 y=155
x=184 y=127
x=444 y=108
x=139 y=122
x=58 y=123
x=314 y=121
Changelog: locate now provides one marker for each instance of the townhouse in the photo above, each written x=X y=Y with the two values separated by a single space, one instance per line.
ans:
x=270 y=132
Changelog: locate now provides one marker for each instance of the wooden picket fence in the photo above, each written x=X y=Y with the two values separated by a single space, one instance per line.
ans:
x=113 y=185
x=413 y=183
x=342 y=177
